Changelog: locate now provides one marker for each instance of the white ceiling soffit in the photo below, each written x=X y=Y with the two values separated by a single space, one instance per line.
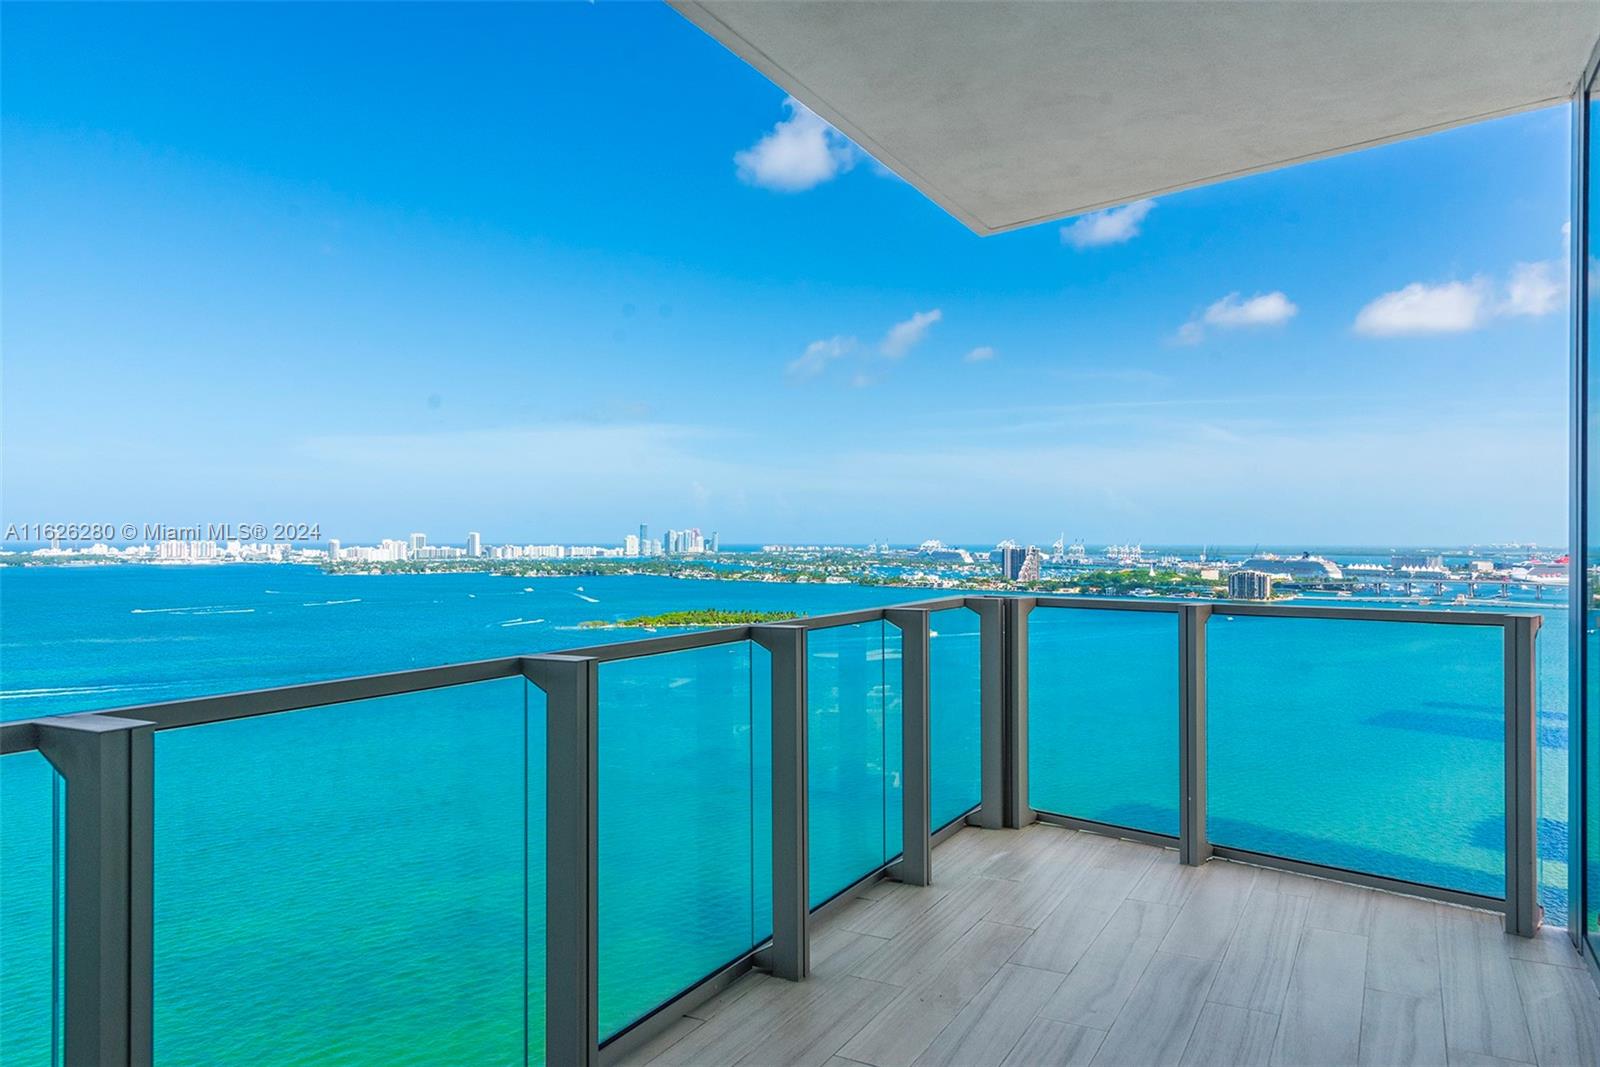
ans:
x=1009 y=113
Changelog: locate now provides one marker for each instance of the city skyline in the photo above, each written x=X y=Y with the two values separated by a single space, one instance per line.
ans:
x=1118 y=569
x=181 y=540
x=476 y=304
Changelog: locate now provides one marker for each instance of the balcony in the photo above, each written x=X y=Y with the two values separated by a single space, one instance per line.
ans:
x=1053 y=946
x=969 y=830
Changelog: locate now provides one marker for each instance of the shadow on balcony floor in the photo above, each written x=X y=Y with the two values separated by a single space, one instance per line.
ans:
x=1051 y=946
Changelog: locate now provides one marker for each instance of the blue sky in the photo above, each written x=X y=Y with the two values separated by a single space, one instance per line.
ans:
x=548 y=271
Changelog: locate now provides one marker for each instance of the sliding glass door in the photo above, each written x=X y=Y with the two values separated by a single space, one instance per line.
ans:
x=1584 y=738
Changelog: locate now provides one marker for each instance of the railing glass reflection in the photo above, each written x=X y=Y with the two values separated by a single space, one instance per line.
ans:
x=1103 y=716
x=685 y=870
x=1376 y=747
x=853 y=744
x=379 y=901
x=31 y=798
x=955 y=706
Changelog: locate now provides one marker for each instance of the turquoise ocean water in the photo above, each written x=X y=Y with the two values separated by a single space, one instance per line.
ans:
x=363 y=884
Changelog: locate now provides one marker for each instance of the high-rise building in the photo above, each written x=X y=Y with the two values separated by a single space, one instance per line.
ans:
x=1250 y=585
x=630 y=545
x=644 y=535
x=1010 y=558
x=714 y=542
x=333 y=550
x=418 y=541
x=1032 y=564
x=474 y=544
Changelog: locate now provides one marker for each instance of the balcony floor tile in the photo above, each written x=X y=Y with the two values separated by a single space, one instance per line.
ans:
x=1054 y=946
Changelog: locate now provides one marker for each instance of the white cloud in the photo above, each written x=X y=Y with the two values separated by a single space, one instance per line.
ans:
x=818 y=354
x=801 y=152
x=1452 y=307
x=902 y=336
x=1532 y=290
x=1263 y=309
x=862 y=366
x=1233 y=311
x=981 y=354
x=1110 y=227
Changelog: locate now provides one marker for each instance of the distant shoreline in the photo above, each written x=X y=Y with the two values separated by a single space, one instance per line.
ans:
x=1169 y=586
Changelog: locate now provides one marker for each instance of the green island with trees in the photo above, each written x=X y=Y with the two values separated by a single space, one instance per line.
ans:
x=669 y=620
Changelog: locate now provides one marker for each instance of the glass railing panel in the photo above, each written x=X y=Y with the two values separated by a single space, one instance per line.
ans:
x=1376 y=747
x=1103 y=716
x=761 y=788
x=893 y=741
x=1550 y=675
x=955 y=708
x=853 y=736
x=32 y=814
x=349 y=884
x=679 y=874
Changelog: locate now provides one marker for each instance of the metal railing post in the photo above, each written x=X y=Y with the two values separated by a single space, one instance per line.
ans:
x=571 y=689
x=1194 y=847
x=790 y=956
x=915 y=866
x=992 y=704
x=1017 y=811
x=1522 y=777
x=108 y=764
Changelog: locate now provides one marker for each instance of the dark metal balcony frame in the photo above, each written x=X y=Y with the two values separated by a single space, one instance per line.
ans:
x=106 y=760
x=1580 y=592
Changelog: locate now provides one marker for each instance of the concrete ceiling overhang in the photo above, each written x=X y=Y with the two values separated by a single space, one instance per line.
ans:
x=1010 y=113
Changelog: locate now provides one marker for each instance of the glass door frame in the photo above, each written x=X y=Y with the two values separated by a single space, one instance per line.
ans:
x=1581 y=713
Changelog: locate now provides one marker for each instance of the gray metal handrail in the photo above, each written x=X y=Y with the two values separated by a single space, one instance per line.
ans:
x=106 y=761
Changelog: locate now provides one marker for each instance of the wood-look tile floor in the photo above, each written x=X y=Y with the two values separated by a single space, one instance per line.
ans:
x=1049 y=946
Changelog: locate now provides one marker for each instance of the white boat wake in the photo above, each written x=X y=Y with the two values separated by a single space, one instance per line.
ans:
x=203 y=609
x=69 y=691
